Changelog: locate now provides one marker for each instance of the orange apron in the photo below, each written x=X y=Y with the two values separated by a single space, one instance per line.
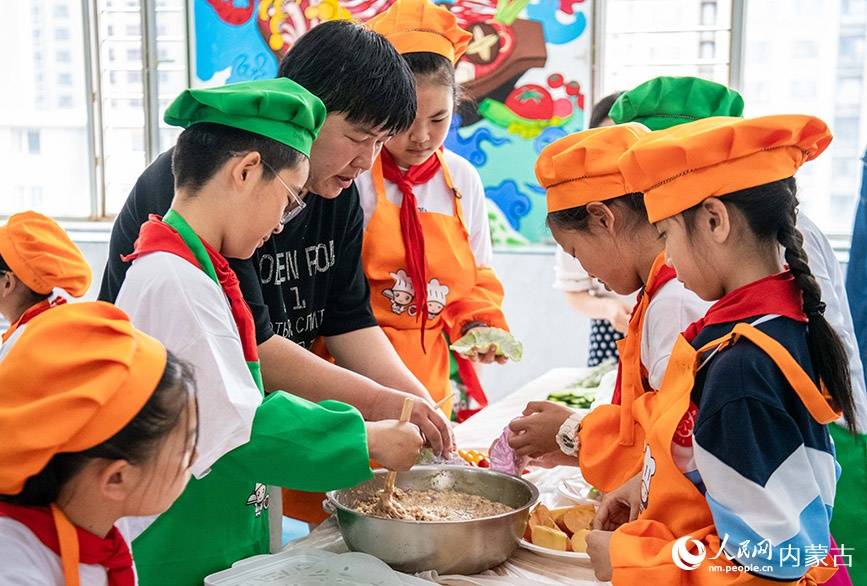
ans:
x=457 y=291
x=611 y=440
x=672 y=506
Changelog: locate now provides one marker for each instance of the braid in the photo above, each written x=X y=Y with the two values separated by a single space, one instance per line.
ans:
x=826 y=350
x=771 y=212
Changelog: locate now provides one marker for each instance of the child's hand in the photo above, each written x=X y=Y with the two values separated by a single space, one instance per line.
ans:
x=486 y=356
x=392 y=444
x=433 y=424
x=618 y=315
x=536 y=432
x=619 y=506
x=480 y=343
x=598 y=548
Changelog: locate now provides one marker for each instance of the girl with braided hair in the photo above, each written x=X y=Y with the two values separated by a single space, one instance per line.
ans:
x=739 y=467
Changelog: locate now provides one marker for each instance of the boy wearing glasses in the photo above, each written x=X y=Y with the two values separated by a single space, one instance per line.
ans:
x=181 y=290
x=306 y=285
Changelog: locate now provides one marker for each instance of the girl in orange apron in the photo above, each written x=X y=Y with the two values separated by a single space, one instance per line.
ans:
x=99 y=422
x=597 y=217
x=36 y=256
x=426 y=249
x=751 y=387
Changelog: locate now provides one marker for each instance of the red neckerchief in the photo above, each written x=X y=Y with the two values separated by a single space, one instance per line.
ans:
x=110 y=552
x=410 y=225
x=777 y=294
x=32 y=312
x=663 y=276
x=470 y=380
x=157 y=236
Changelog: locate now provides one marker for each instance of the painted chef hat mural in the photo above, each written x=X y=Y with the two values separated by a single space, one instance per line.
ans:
x=525 y=69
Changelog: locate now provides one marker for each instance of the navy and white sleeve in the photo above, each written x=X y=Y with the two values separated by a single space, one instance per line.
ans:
x=770 y=477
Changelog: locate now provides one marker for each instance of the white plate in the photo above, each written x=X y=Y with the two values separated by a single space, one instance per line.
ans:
x=553 y=553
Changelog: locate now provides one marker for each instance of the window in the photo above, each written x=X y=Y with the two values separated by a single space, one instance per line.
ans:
x=803 y=89
x=36 y=196
x=805 y=50
x=852 y=50
x=814 y=65
x=849 y=90
x=32 y=137
x=846 y=132
x=51 y=166
x=646 y=38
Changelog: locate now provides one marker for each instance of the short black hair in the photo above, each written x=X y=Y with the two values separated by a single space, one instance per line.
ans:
x=354 y=71
x=34 y=297
x=577 y=218
x=203 y=148
x=602 y=108
x=436 y=68
x=136 y=442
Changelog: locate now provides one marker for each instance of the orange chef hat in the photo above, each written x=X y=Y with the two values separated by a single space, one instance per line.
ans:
x=42 y=255
x=77 y=375
x=420 y=26
x=582 y=167
x=682 y=166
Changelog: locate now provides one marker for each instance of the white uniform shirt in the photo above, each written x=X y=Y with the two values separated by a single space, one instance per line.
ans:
x=24 y=561
x=435 y=197
x=178 y=304
x=670 y=311
x=668 y=314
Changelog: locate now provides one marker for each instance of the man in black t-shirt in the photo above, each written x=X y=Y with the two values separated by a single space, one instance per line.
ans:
x=307 y=282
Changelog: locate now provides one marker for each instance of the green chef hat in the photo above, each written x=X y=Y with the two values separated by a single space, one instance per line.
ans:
x=279 y=109
x=664 y=102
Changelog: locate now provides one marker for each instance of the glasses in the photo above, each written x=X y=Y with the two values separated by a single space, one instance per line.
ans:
x=290 y=212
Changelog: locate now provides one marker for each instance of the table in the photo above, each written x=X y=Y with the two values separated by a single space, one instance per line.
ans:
x=524 y=567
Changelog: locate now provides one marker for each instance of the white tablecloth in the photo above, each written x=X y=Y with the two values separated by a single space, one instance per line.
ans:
x=524 y=567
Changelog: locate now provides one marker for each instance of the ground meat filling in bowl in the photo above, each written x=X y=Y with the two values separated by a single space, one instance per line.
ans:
x=430 y=505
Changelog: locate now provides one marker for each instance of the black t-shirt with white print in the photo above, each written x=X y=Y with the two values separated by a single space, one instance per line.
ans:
x=303 y=283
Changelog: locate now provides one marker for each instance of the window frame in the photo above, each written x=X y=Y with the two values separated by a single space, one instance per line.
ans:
x=93 y=85
x=150 y=80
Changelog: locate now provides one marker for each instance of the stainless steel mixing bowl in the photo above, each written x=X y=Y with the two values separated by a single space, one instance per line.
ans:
x=449 y=547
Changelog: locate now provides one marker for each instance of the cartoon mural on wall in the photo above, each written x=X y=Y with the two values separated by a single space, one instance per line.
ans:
x=527 y=71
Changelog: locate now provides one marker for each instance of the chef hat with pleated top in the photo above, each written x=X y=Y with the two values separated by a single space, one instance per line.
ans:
x=582 y=167
x=43 y=257
x=682 y=166
x=420 y=26
x=663 y=102
x=278 y=109
x=77 y=375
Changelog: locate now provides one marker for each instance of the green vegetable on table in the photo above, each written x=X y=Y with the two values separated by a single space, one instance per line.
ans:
x=480 y=339
x=576 y=400
x=593 y=378
x=582 y=393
